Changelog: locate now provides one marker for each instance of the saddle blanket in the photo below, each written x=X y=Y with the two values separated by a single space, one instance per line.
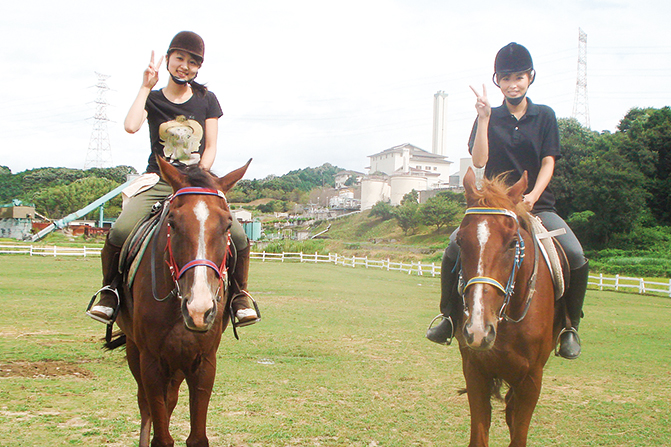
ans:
x=550 y=253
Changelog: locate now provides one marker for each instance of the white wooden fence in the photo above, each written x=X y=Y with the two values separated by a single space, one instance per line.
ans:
x=600 y=281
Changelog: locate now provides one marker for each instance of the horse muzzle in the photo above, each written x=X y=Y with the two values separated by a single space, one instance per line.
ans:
x=479 y=337
x=199 y=314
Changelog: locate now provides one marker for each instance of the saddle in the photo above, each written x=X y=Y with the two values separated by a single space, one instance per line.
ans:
x=553 y=253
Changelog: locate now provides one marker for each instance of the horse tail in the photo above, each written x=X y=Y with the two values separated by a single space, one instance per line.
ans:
x=495 y=386
x=117 y=340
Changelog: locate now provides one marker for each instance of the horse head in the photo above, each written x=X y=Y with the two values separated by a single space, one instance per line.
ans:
x=492 y=249
x=199 y=220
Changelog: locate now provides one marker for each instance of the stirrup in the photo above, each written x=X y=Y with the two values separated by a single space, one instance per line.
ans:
x=236 y=324
x=558 y=341
x=111 y=319
x=442 y=318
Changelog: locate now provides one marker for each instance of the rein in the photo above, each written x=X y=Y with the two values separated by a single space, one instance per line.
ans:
x=509 y=288
x=175 y=271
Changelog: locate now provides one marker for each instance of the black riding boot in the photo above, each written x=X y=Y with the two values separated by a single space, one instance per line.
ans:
x=245 y=311
x=106 y=308
x=443 y=332
x=569 y=341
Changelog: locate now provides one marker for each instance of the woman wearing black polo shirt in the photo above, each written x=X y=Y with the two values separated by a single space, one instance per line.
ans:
x=515 y=137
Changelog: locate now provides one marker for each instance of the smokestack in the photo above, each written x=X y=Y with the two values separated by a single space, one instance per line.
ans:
x=439 y=118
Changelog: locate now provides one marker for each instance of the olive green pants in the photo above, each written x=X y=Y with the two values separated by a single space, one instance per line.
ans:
x=139 y=206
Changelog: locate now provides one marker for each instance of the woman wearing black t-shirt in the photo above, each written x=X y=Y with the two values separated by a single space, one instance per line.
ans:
x=515 y=137
x=183 y=119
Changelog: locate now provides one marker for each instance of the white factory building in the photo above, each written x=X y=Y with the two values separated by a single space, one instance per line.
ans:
x=398 y=170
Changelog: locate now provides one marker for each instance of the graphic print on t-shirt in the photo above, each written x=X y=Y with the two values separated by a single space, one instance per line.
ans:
x=181 y=140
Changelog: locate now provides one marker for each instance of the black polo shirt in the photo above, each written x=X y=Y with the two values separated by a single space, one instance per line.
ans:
x=516 y=146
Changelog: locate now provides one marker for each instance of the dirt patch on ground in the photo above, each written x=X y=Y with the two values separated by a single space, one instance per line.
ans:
x=44 y=369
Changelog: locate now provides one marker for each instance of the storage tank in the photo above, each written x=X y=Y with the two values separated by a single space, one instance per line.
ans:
x=403 y=184
x=373 y=190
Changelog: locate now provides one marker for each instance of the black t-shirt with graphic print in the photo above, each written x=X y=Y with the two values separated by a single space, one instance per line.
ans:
x=177 y=131
x=518 y=146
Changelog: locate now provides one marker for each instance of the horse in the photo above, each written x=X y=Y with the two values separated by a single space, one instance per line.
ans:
x=173 y=315
x=509 y=321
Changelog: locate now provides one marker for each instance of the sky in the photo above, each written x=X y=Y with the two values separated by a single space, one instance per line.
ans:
x=306 y=82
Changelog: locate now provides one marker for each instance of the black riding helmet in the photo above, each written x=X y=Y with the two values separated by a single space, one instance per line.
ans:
x=513 y=58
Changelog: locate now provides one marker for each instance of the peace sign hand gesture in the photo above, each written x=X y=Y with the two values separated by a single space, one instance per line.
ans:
x=482 y=103
x=150 y=77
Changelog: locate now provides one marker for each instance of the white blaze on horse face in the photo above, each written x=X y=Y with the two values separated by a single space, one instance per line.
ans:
x=201 y=295
x=477 y=311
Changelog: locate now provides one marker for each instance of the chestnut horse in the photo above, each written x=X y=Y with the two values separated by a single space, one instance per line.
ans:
x=509 y=324
x=174 y=314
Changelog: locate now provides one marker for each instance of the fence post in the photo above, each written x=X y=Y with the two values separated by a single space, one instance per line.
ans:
x=600 y=281
x=353 y=261
x=419 y=268
x=641 y=286
x=366 y=261
x=387 y=264
x=301 y=256
x=84 y=250
x=617 y=282
x=669 y=288
x=55 y=252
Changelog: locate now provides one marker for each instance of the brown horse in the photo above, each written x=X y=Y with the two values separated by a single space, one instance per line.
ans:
x=509 y=323
x=174 y=314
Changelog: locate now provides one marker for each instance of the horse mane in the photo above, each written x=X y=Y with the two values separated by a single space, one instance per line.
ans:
x=493 y=193
x=199 y=177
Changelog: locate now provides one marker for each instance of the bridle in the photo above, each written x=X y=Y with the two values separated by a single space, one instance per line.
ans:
x=177 y=272
x=509 y=288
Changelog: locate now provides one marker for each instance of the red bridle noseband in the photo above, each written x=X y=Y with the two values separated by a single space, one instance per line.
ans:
x=178 y=272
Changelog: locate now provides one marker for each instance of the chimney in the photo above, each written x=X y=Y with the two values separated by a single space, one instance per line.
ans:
x=439 y=118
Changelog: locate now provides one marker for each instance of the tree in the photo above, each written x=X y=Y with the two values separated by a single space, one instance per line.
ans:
x=441 y=210
x=383 y=210
x=576 y=143
x=610 y=187
x=59 y=201
x=407 y=215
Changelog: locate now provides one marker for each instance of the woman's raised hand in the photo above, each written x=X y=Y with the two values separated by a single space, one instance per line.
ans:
x=482 y=104
x=150 y=77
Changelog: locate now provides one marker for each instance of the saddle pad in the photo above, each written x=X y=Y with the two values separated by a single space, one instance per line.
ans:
x=137 y=242
x=552 y=259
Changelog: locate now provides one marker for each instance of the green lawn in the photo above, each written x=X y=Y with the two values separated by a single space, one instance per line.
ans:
x=339 y=359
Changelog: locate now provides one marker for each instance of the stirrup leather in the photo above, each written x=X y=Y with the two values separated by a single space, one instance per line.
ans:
x=442 y=317
x=112 y=319
x=235 y=323
x=558 y=341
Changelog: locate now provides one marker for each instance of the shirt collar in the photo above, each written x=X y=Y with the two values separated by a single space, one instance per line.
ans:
x=502 y=110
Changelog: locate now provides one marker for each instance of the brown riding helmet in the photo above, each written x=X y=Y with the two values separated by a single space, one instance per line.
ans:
x=190 y=42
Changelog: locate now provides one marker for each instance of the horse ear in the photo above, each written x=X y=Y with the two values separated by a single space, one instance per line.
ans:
x=470 y=186
x=229 y=180
x=516 y=191
x=170 y=174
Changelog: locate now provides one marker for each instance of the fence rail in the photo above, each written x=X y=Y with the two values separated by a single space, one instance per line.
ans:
x=600 y=281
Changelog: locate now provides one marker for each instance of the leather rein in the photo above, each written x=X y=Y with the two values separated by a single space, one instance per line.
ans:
x=509 y=288
x=175 y=271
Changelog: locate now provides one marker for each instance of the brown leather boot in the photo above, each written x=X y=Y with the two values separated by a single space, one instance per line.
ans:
x=106 y=308
x=245 y=311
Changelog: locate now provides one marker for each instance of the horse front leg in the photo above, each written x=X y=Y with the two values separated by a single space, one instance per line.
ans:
x=133 y=359
x=478 y=388
x=200 y=384
x=155 y=385
x=520 y=404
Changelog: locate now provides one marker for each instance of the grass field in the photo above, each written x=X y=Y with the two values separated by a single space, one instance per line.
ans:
x=339 y=359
